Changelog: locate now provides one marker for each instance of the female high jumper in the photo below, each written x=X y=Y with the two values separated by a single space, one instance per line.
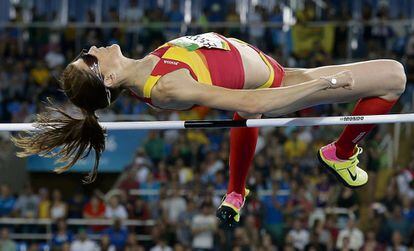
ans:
x=217 y=72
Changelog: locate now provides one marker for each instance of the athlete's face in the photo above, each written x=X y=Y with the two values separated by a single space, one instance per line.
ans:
x=109 y=60
x=109 y=57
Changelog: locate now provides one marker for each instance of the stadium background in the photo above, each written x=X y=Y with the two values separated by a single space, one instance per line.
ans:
x=155 y=187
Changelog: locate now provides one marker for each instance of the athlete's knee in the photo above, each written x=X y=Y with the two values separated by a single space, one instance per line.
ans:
x=396 y=78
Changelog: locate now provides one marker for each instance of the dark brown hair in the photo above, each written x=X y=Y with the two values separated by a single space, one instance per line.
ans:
x=68 y=138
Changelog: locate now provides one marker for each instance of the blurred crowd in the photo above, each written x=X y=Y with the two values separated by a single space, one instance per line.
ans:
x=32 y=58
x=292 y=205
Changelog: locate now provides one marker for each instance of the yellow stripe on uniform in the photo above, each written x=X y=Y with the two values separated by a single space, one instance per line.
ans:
x=225 y=45
x=193 y=60
x=151 y=81
x=269 y=82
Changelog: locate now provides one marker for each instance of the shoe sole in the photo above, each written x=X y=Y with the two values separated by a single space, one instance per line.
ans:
x=226 y=217
x=334 y=173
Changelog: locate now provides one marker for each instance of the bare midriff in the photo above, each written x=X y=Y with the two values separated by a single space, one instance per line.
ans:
x=256 y=71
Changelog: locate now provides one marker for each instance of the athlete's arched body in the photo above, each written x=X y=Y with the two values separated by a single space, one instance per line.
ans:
x=214 y=71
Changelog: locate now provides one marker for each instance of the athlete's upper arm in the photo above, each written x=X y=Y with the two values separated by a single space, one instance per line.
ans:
x=180 y=88
x=220 y=98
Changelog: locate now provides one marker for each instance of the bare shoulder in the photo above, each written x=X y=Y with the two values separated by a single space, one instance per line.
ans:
x=170 y=90
x=172 y=82
x=177 y=75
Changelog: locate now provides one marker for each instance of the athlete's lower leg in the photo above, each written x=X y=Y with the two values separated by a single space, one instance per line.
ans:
x=242 y=147
x=353 y=134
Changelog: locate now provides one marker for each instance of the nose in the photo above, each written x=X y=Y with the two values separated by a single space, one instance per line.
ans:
x=114 y=47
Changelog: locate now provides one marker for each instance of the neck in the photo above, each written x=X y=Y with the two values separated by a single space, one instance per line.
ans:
x=136 y=73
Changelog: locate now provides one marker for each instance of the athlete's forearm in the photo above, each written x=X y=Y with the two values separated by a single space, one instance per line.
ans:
x=257 y=101
x=277 y=98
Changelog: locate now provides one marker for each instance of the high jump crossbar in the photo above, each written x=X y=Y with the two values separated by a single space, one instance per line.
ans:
x=271 y=122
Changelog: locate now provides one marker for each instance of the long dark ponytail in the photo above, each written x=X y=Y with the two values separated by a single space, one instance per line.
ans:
x=76 y=137
x=63 y=136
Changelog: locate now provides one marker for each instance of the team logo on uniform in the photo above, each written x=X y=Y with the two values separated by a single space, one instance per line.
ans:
x=171 y=62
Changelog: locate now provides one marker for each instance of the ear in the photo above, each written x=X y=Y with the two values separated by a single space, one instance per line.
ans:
x=110 y=80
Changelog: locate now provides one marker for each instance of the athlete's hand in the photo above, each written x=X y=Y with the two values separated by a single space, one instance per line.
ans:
x=344 y=79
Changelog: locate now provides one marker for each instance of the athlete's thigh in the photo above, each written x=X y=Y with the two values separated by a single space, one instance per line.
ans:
x=370 y=81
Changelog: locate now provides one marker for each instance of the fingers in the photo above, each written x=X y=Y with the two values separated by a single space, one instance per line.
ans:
x=348 y=79
x=344 y=80
x=350 y=85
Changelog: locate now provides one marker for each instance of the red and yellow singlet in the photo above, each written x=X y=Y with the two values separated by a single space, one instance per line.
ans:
x=211 y=59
